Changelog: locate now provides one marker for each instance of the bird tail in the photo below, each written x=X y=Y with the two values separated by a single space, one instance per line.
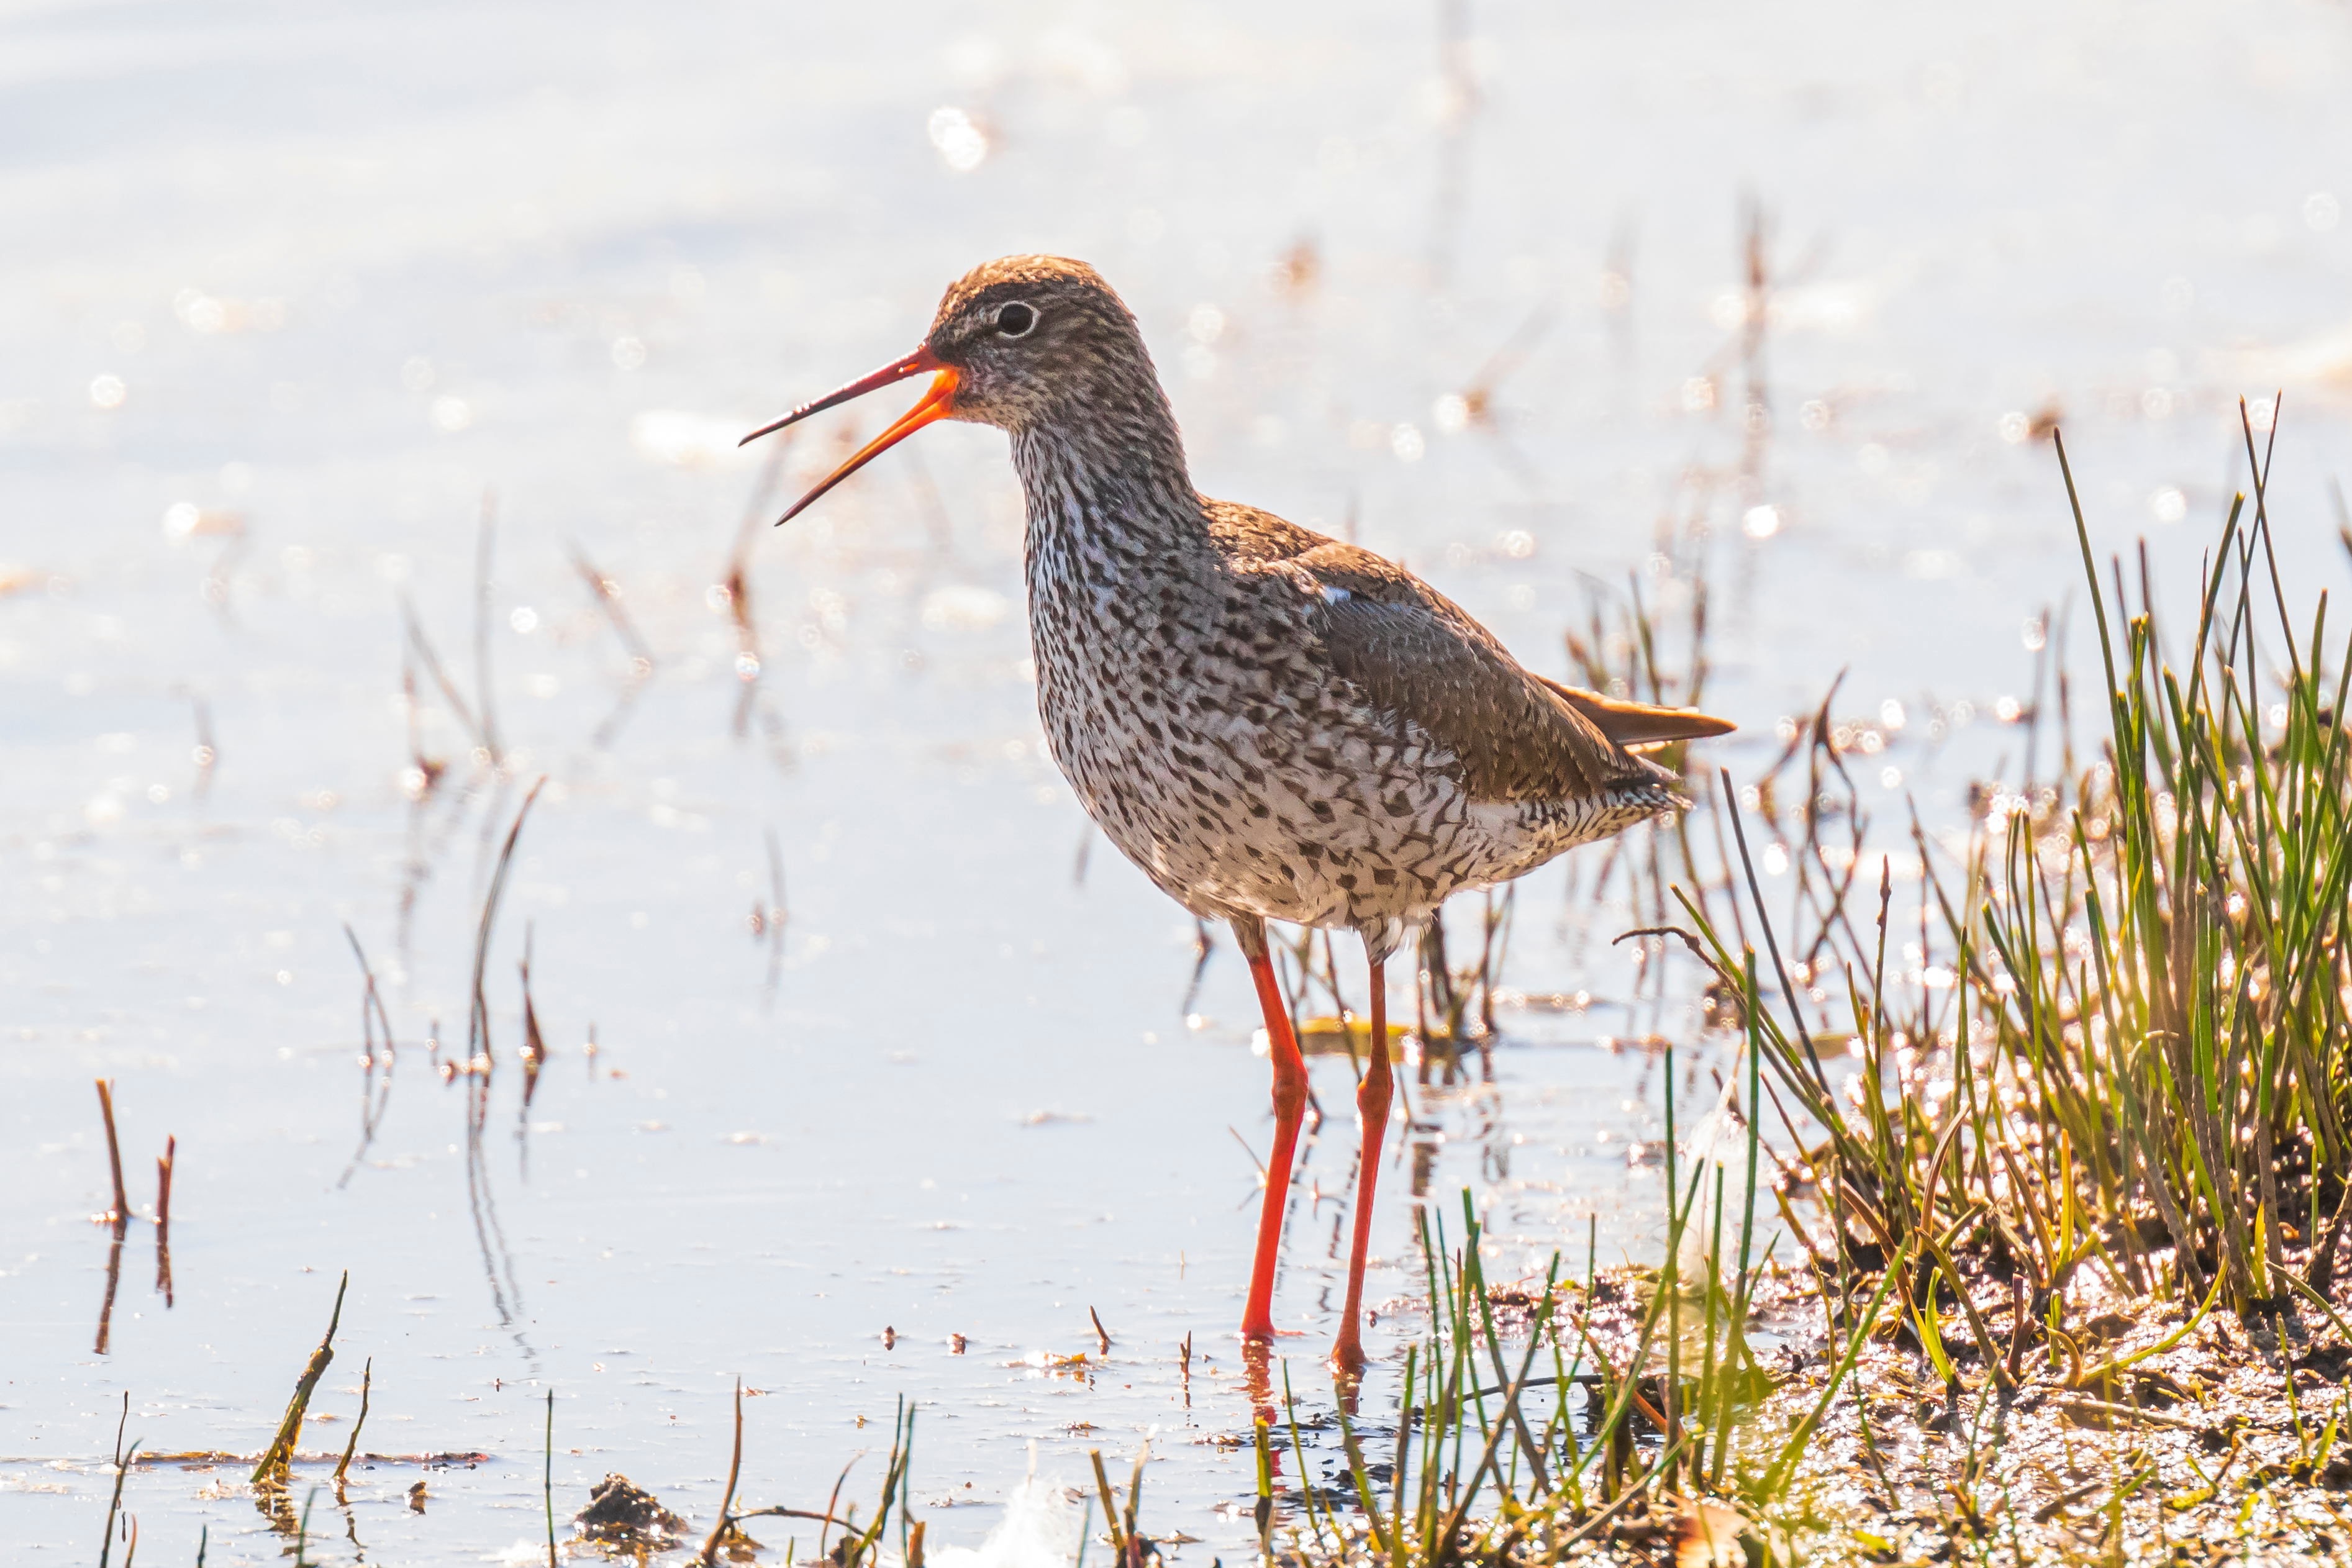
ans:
x=1638 y=727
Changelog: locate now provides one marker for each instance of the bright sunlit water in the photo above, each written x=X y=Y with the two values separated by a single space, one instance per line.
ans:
x=290 y=291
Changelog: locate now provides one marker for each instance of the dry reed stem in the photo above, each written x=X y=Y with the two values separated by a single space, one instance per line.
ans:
x=120 y=1213
x=367 y=1382
x=163 y=1217
x=163 y=1182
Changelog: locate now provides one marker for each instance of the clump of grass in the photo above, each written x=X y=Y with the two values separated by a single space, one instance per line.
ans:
x=2125 y=1047
x=1669 y=1392
x=2092 y=1103
x=859 y=1546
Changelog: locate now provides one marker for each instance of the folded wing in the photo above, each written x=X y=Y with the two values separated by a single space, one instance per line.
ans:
x=1516 y=735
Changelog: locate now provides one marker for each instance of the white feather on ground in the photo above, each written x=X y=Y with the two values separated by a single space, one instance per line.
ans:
x=1040 y=1529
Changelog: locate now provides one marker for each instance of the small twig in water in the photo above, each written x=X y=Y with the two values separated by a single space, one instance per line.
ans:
x=121 y=1469
x=164 y=1217
x=122 y=1209
x=276 y=1461
x=163 y=1182
x=367 y=1381
x=1102 y=1334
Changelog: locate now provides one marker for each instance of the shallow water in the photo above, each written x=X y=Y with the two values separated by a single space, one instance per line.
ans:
x=289 y=290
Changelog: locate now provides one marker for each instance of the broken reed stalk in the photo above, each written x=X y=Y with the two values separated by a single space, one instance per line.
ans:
x=367 y=1381
x=120 y=1214
x=277 y=1460
x=164 y=1217
x=726 y=1524
x=1102 y=1334
x=163 y=1182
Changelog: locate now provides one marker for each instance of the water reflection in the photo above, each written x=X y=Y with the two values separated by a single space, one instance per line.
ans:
x=534 y=1057
x=376 y=1050
x=478 y=1072
x=768 y=921
x=114 y=1280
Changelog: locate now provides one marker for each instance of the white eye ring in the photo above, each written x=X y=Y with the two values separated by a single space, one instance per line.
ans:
x=1016 y=320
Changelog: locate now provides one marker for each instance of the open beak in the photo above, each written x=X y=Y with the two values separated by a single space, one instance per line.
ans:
x=937 y=404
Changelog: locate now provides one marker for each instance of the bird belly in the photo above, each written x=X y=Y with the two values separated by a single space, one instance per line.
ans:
x=1376 y=838
x=1319 y=820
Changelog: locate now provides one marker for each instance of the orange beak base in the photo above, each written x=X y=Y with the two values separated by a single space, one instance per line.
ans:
x=937 y=404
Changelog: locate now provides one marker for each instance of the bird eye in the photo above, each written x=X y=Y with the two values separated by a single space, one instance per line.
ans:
x=1015 y=320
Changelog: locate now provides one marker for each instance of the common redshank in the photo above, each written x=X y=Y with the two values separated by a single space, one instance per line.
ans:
x=1271 y=724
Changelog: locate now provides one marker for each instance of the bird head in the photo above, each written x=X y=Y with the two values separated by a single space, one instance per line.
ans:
x=1016 y=343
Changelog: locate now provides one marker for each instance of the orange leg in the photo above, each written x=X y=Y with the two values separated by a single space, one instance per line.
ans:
x=1289 y=1105
x=1372 y=1116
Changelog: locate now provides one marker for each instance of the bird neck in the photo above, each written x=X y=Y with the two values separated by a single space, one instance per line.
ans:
x=1115 y=465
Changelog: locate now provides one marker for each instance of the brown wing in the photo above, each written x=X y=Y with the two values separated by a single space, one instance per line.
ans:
x=1417 y=654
